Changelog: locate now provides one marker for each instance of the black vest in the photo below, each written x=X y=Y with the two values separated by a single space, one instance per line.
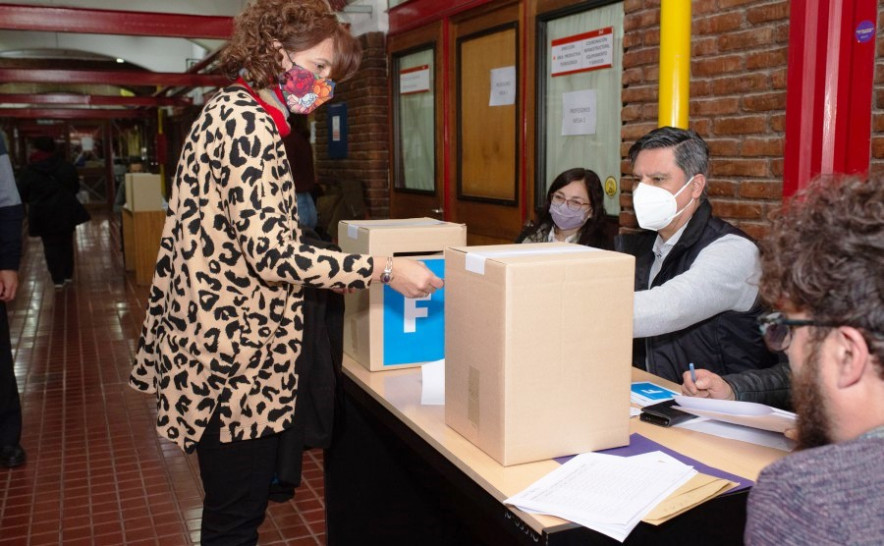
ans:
x=728 y=342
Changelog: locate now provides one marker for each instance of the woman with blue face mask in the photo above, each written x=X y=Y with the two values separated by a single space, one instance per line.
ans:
x=225 y=317
x=574 y=212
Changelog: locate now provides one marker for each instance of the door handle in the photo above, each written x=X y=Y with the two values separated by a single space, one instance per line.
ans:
x=437 y=211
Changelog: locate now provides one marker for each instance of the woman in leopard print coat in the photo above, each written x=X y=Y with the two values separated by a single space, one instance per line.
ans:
x=224 y=321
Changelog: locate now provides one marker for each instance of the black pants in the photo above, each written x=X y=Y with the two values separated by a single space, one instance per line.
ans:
x=236 y=477
x=59 y=251
x=10 y=405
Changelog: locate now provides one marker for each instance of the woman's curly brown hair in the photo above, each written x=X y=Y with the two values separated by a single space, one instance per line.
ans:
x=297 y=25
x=825 y=256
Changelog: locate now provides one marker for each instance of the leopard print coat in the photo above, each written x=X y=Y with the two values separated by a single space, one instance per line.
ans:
x=224 y=321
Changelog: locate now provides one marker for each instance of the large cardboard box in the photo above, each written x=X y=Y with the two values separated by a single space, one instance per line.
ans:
x=144 y=191
x=382 y=329
x=538 y=348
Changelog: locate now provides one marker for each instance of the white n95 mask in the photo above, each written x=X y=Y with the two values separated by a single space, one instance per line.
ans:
x=655 y=207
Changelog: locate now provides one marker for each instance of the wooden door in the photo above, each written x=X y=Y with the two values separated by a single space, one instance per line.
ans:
x=417 y=182
x=488 y=188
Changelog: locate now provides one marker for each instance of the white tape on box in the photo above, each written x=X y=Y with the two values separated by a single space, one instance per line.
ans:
x=353 y=228
x=475 y=261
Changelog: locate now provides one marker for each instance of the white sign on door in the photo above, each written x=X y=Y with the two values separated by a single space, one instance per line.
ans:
x=579 y=112
x=503 y=86
x=414 y=80
x=583 y=52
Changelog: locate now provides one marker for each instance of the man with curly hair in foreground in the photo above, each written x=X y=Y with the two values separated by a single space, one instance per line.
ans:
x=822 y=268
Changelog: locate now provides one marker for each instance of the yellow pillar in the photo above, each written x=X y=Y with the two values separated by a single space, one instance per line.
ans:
x=162 y=163
x=675 y=63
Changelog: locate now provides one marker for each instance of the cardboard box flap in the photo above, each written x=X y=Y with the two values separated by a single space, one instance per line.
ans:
x=476 y=257
x=353 y=227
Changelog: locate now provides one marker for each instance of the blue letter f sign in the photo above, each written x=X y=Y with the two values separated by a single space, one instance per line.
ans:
x=414 y=328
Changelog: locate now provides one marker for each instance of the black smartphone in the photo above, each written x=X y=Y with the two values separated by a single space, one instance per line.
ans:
x=664 y=415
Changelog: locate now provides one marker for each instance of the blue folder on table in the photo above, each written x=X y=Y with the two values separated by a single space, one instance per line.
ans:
x=639 y=444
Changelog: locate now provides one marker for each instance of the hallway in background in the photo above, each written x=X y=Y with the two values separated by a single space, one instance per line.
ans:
x=97 y=473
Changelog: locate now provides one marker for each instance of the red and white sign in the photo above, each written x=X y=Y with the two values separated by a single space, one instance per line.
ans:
x=583 y=52
x=414 y=80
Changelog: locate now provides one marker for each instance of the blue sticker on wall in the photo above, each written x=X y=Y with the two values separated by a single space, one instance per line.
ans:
x=414 y=328
x=865 y=31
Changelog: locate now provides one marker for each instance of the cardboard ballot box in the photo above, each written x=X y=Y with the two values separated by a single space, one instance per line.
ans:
x=144 y=191
x=538 y=348
x=383 y=329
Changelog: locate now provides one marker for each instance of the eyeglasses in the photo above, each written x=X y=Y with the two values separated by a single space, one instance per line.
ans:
x=573 y=204
x=777 y=329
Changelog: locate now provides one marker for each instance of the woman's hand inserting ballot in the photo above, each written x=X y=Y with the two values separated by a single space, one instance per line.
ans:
x=410 y=278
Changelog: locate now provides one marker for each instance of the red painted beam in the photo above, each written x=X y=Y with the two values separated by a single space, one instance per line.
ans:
x=829 y=89
x=92 y=100
x=416 y=13
x=127 y=23
x=72 y=113
x=857 y=78
x=205 y=63
x=122 y=78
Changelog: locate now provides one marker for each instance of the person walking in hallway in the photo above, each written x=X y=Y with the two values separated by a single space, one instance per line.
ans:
x=11 y=452
x=49 y=186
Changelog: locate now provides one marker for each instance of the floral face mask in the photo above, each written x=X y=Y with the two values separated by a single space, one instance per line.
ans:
x=303 y=90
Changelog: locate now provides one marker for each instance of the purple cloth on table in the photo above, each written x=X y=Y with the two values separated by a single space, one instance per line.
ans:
x=638 y=444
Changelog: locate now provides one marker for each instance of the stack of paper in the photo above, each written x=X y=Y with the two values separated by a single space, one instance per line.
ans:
x=698 y=490
x=606 y=493
x=749 y=414
x=744 y=421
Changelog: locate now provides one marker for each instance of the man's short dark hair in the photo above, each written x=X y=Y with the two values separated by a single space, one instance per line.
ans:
x=824 y=256
x=691 y=151
x=44 y=144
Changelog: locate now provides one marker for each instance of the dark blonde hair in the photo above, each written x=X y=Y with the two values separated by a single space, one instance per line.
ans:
x=298 y=25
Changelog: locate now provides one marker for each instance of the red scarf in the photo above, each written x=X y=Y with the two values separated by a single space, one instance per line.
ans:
x=281 y=119
x=39 y=155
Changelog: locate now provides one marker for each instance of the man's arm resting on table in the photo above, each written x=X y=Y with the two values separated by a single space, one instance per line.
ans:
x=724 y=277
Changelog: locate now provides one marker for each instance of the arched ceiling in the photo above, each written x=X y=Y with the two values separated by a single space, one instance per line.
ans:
x=94 y=56
x=98 y=57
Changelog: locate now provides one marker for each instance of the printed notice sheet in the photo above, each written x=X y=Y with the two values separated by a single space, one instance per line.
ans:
x=503 y=86
x=606 y=493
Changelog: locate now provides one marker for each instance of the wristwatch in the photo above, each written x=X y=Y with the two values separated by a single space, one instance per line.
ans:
x=387 y=275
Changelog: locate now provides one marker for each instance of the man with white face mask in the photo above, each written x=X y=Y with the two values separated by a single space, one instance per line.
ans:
x=696 y=275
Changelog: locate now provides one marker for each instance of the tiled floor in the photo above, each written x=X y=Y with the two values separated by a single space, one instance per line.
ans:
x=97 y=473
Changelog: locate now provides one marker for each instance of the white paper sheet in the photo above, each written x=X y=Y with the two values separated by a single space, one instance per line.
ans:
x=433 y=383
x=604 y=492
x=749 y=414
x=579 y=116
x=503 y=86
x=751 y=435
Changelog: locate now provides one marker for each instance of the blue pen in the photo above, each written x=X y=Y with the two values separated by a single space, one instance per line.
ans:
x=693 y=373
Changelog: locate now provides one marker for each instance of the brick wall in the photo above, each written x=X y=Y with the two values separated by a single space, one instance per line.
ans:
x=877 y=163
x=737 y=99
x=367 y=159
